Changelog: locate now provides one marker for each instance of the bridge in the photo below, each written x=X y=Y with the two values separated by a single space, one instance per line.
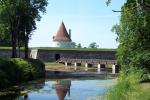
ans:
x=88 y=63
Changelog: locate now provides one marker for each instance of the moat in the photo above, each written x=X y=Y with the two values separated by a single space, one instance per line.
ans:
x=67 y=89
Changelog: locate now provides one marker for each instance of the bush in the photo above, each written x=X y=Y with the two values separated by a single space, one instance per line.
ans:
x=16 y=70
x=142 y=61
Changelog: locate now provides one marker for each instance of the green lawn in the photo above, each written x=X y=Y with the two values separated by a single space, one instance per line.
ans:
x=145 y=91
x=9 y=48
x=54 y=48
x=79 y=49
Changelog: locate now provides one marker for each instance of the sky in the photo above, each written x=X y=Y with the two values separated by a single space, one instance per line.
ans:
x=89 y=21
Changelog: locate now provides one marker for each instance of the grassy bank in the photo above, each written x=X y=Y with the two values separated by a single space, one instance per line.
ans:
x=56 y=48
x=129 y=87
x=17 y=70
x=76 y=49
x=9 y=48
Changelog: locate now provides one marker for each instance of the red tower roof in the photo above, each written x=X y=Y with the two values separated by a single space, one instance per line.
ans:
x=62 y=34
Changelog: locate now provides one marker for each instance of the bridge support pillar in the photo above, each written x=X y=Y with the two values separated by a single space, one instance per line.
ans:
x=75 y=66
x=99 y=67
x=66 y=65
x=86 y=66
x=113 y=69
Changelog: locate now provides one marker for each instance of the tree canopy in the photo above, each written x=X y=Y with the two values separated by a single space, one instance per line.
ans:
x=93 y=45
x=134 y=35
x=18 y=19
x=79 y=45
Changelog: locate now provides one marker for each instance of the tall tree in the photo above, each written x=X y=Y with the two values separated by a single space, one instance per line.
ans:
x=20 y=17
x=31 y=13
x=134 y=35
x=9 y=18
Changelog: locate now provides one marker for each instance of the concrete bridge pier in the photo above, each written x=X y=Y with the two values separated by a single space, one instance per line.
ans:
x=66 y=65
x=99 y=67
x=75 y=66
x=113 y=69
x=86 y=66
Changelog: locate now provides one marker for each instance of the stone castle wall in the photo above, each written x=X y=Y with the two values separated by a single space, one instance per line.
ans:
x=50 y=55
x=7 y=53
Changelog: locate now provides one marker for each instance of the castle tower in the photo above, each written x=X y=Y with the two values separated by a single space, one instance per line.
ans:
x=62 y=38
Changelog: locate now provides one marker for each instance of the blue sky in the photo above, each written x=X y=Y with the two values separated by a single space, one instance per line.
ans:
x=89 y=21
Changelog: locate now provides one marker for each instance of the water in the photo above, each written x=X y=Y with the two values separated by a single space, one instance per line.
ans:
x=68 y=89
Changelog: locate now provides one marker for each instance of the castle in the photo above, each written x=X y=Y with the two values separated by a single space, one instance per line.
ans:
x=62 y=39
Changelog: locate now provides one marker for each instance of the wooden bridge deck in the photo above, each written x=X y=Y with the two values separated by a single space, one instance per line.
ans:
x=91 y=61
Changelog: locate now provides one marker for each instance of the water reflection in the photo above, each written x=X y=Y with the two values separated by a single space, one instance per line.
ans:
x=62 y=87
x=14 y=93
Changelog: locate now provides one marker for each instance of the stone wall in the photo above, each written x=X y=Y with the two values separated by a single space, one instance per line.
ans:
x=51 y=55
x=7 y=53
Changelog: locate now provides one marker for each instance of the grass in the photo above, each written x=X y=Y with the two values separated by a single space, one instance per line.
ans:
x=52 y=66
x=9 y=48
x=145 y=91
x=78 y=49
x=129 y=87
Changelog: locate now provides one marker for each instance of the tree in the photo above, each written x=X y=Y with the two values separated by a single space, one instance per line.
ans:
x=134 y=35
x=73 y=45
x=4 y=36
x=20 y=17
x=31 y=14
x=79 y=45
x=93 y=45
x=9 y=18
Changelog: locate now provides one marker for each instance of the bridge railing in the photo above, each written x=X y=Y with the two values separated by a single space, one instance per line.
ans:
x=93 y=61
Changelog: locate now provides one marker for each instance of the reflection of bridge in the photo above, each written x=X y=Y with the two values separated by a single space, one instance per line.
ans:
x=99 y=63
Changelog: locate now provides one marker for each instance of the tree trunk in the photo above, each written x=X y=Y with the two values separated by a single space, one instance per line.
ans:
x=19 y=45
x=19 y=51
x=13 y=39
x=26 y=46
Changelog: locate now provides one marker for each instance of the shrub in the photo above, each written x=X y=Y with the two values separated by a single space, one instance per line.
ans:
x=16 y=70
x=142 y=61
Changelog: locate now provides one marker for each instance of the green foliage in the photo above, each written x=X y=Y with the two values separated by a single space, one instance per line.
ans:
x=108 y=2
x=73 y=44
x=133 y=53
x=4 y=36
x=127 y=87
x=78 y=49
x=13 y=71
x=142 y=61
x=79 y=45
x=18 y=20
x=93 y=45
x=134 y=35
